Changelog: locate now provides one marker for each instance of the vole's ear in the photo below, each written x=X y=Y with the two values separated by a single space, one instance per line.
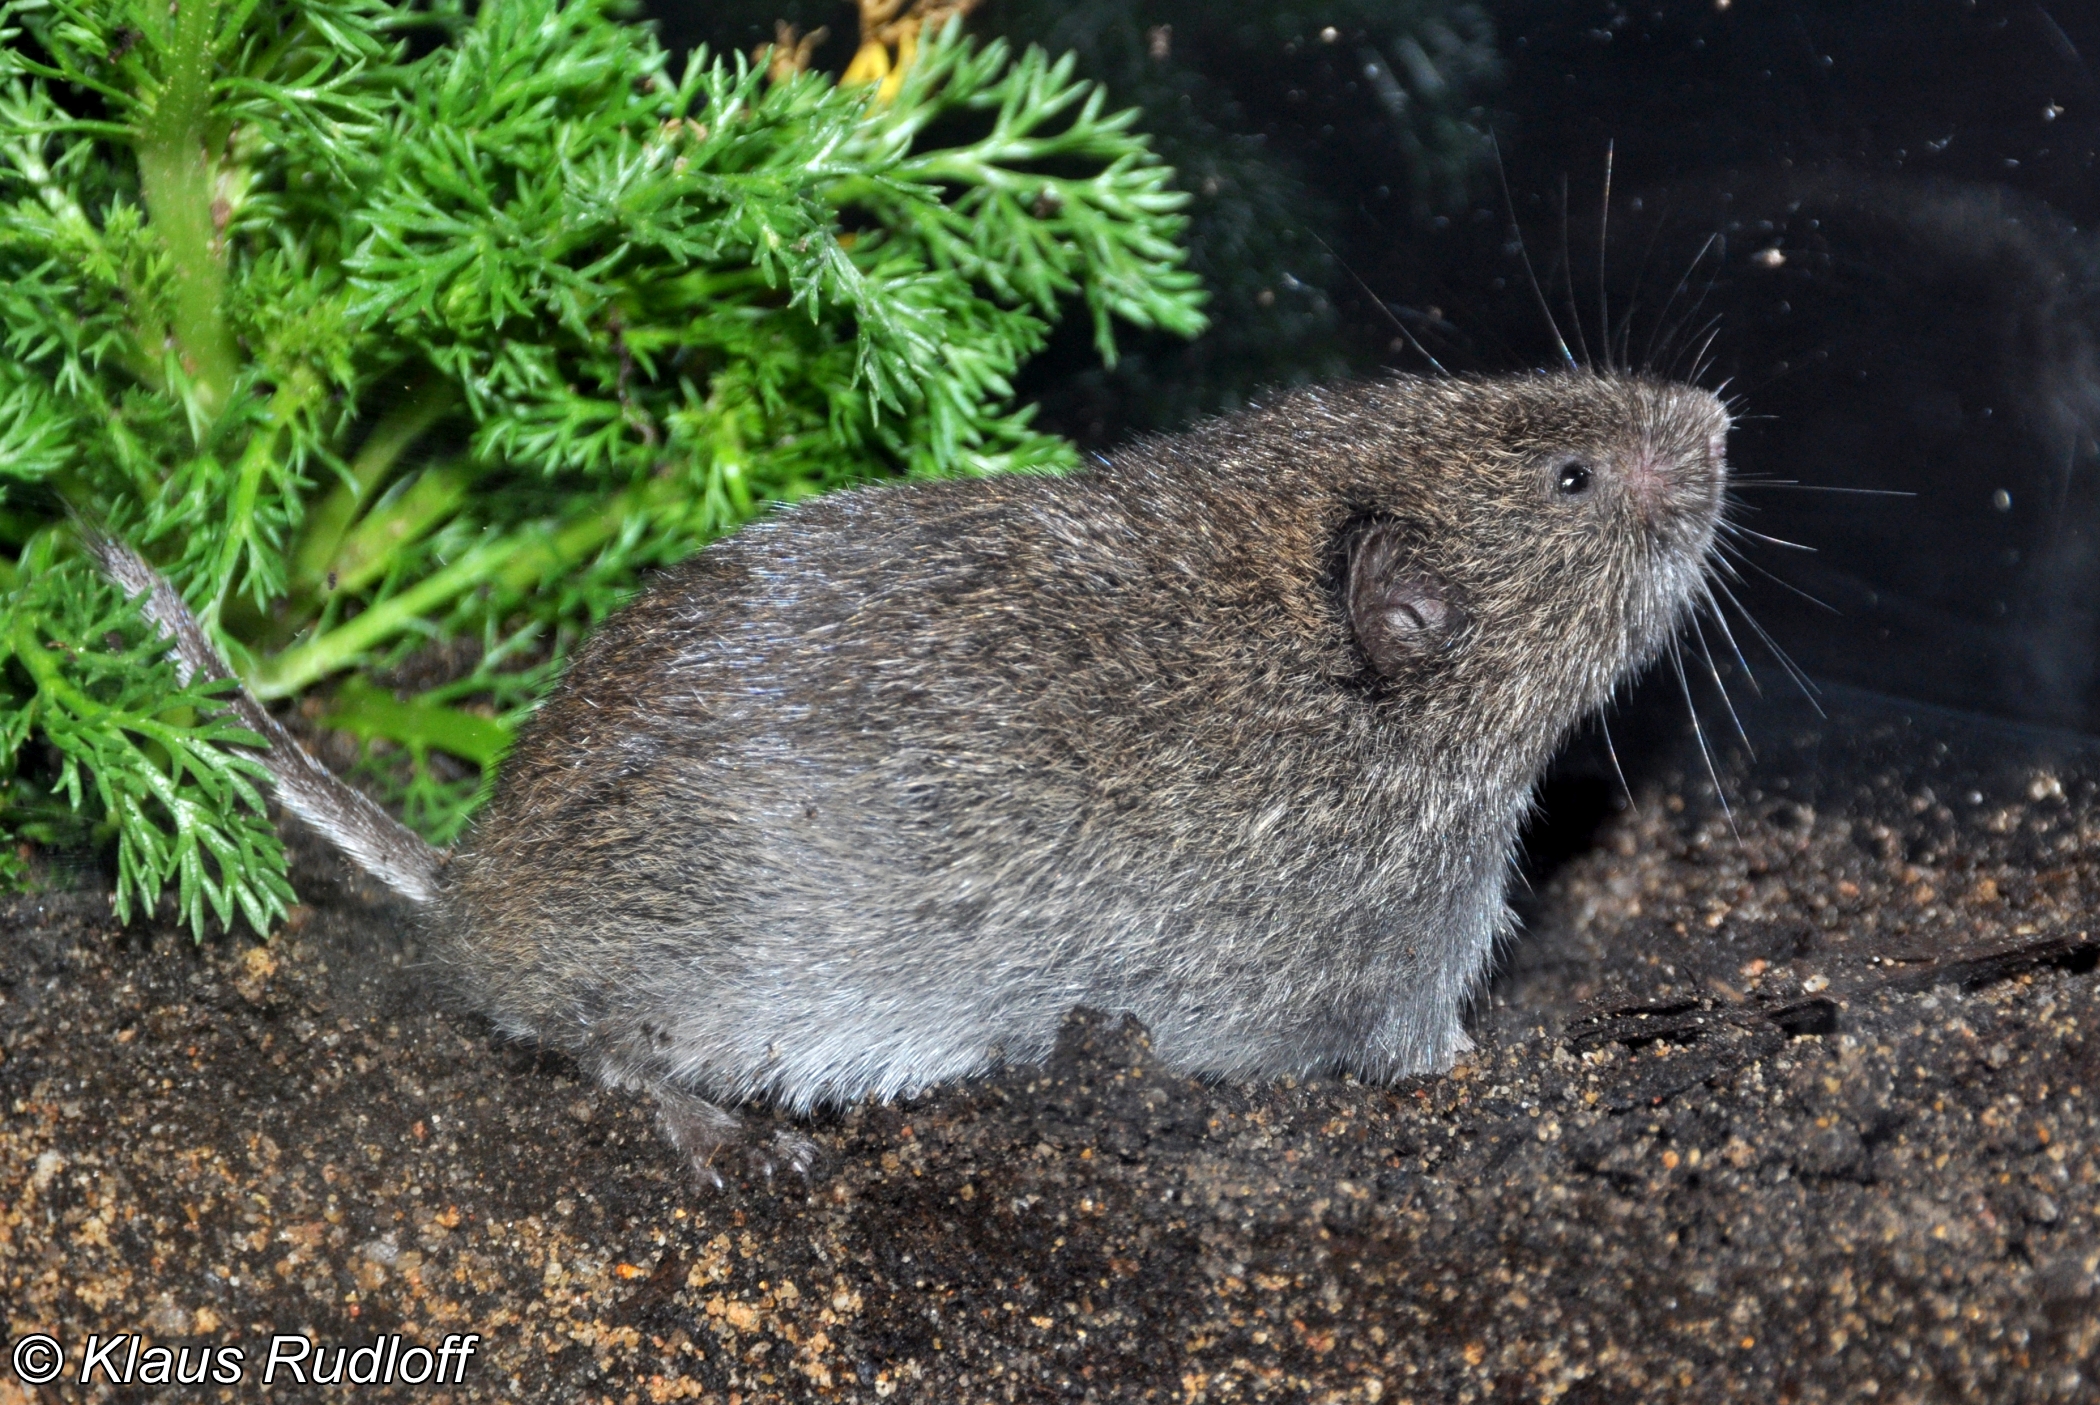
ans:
x=1399 y=612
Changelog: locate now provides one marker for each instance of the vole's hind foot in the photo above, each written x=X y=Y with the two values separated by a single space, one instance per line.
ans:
x=698 y=1128
x=701 y=1130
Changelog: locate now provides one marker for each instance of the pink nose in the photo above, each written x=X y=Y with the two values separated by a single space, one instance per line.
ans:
x=1667 y=487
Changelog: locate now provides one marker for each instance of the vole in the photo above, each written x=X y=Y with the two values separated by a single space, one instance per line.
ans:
x=1233 y=733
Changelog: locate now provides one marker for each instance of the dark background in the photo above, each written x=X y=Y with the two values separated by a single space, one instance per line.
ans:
x=1872 y=217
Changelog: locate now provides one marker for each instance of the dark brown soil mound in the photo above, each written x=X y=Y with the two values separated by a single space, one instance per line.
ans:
x=1800 y=1112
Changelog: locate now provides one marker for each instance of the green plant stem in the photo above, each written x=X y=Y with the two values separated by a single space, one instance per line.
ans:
x=366 y=552
x=176 y=175
x=370 y=712
x=396 y=432
x=308 y=663
x=29 y=647
x=517 y=564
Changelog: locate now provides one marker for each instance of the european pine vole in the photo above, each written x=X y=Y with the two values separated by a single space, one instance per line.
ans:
x=1234 y=734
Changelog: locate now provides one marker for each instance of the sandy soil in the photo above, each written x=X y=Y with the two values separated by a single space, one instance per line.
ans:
x=1797 y=1106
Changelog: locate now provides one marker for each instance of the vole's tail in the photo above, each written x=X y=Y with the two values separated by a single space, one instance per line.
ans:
x=368 y=836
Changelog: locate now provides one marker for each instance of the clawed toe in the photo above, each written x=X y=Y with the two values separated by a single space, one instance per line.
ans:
x=785 y=1150
x=701 y=1130
x=795 y=1151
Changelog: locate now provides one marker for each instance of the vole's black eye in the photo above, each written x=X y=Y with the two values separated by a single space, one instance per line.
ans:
x=1573 y=479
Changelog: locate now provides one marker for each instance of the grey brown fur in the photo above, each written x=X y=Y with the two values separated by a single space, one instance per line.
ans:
x=1234 y=734
x=347 y=818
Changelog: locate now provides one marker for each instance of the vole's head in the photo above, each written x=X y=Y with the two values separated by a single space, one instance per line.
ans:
x=1520 y=544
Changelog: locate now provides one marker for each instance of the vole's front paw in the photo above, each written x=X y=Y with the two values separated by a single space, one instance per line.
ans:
x=786 y=1150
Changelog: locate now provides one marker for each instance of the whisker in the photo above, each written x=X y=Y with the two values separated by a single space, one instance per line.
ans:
x=1567 y=277
x=1603 y=246
x=1788 y=483
x=1714 y=670
x=1684 y=685
x=1711 y=329
x=1721 y=621
x=1517 y=230
x=1640 y=276
x=1379 y=303
x=1739 y=530
x=1666 y=331
x=1800 y=679
x=1612 y=751
x=1783 y=584
x=1624 y=335
x=1658 y=340
x=2061 y=41
x=1690 y=329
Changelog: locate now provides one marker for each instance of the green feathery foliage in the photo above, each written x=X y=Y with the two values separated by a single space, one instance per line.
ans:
x=380 y=325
